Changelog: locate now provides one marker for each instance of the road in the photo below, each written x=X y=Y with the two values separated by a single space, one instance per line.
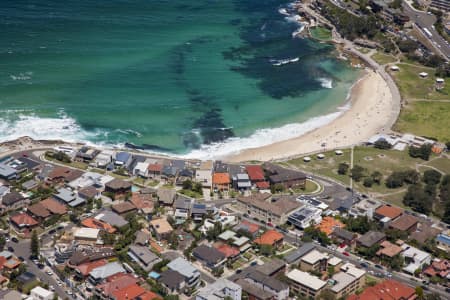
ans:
x=424 y=20
x=23 y=249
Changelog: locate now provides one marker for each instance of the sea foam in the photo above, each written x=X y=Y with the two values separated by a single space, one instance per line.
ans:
x=326 y=82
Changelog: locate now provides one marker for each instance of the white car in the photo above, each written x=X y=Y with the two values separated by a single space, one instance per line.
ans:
x=52 y=288
x=49 y=273
x=7 y=240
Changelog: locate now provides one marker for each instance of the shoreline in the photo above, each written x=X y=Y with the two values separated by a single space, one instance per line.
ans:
x=370 y=113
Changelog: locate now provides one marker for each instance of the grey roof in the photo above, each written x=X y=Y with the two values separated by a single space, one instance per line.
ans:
x=6 y=171
x=183 y=267
x=265 y=280
x=29 y=184
x=10 y=295
x=11 y=198
x=31 y=164
x=172 y=279
x=217 y=290
x=144 y=254
x=371 y=238
x=270 y=267
x=77 y=202
x=3 y=189
x=107 y=270
x=297 y=254
x=166 y=195
x=198 y=208
x=253 y=289
x=26 y=277
x=111 y=218
x=343 y=234
x=183 y=203
x=208 y=254
x=142 y=237
x=65 y=195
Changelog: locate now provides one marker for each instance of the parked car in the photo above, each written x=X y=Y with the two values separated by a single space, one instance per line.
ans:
x=378 y=266
x=14 y=239
x=346 y=253
x=364 y=265
x=21 y=258
x=10 y=249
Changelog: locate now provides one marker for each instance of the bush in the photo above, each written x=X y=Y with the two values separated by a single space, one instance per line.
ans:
x=431 y=177
x=422 y=152
x=343 y=168
x=368 y=182
x=382 y=144
x=357 y=172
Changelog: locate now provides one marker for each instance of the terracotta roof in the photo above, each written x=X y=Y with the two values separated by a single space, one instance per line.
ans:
x=161 y=226
x=404 y=222
x=148 y=295
x=65 y=173
x=86 y=268
x=388 y=249
x=123 y=207
x=248 y=226
x=255 y=172
x=129 y=292
x=155 y=167
x=23 y=219
x=262 y=185
x=228 y=251
x=386 y=290
x=270 y=237
x=221 y=178
x=328 y=224
x=142 y=200
x=98 y=224
x=38 y=210
x=54 y=206
x=116 y=282
x=391 y=212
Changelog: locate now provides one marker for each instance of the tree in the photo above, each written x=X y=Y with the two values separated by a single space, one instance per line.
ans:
x=330 y=270
x=368 y=182
x=432 y=177
x=214 y=232
x=422 y=152
x=394 y=180
x=2 y=242
x=327 y=295
x=343 y=168
x=382 y=144
x=419 y=292
x=266 y=250
x=357 y=172
x=187 y=184
x=397 y=262
x=34 y=246
x=376 y=177
x=417 y=199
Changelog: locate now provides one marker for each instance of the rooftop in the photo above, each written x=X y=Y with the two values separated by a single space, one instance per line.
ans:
x=328 y=224
x=161 y=226
x=386 y=290
x=183 y=267
x=371 y=238
x=264 y=201
x=269 y=237
x=404 y=222
x=255 y=172
x=306 y=279
x=221 y=178
x=389 y=211
x=314 y=256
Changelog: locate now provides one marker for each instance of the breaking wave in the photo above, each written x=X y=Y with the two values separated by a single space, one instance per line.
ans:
x=326 y=82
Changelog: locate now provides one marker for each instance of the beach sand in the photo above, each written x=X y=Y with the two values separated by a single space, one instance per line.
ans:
x=371 y=112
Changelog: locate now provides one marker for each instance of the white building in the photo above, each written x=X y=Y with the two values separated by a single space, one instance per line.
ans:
x=305 y=284
x=103 y=159
x=306 y=216
x=219 y=290
x=203 y=174
x=86 y=234
x=89 y=179
x=39 y=293
x=415 y=258
x=141 y=169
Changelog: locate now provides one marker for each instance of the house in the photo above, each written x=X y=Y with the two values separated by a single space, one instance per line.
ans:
x=386 y=290
x=314 y=261
x=118 y=188
x=348 y=281
x=387 y=213
x=98 y=224
x=247 y=227
x=141 y=169
x=439 y=267
x=53 y=206
x=63 y=174
x=23 y=222
x=255 y=173
x=344 y=237
x=7 y=172
x=104 y=158
x=443 y=242
x=83 y=270
x=183 y=175
x=270 y=237
x=166 y=196
x=8 y=262
x=230 y=253
x=88 y=236
x=111 y=218
x=182 y=207
x=286 y=177
x=161 y=228
x=329 y=224
x=172 y=281
x=13 y=200
x=154 y=170
x=415 y=258
x=203 y=174
x=303 y=283
x=98 y=275
x=370 y=238
x=221 y=181
x=389 y=250
x=143 y=257
x=123 y=159
x=89 y=192
x=134 y=291
x=38 y=211
x=219 y=290
x=365 y=207
x=123 y=208
x=143 y=237
x=209 y=257
x=305 y=217
x=241 y=182
x=198 y=211
x=260 y=286
x=187 y=270
x=266 y=208
x=90 y=179
x=273 y=267
x=30 y=184
x=114 y=283
x=294 y=257
x=143 y=202
x=405 y=223
x=27 y=279
x=86 y=254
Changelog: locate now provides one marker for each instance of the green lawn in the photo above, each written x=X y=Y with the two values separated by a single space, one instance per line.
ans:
x=411 y=86
x=321 y=33
x=383 y=58
x=425 y=118
x=441 y=163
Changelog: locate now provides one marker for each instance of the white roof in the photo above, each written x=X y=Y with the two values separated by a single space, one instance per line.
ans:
x=334 y=261
x=42 y=292
x=423 y=74
x=416 y=254
x=314 y=256
x=86 y=233
x=342 y=281
x=439 y=79
x=183 y=267
x=241 y=241
x=142 y=166
x=217 y=290
x=306 y=279
x=227 y=235
x=352 y=270
x=306 y=158
x=107 y=270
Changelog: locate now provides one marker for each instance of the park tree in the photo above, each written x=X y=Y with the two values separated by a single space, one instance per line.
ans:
x=422 y=152
x=187 y=184
x=343 y=168
x=357 y=172
x=395 y=180
x=368 y=182
x=376 y=177
x=34 y=246
x=382 y=144
x=417 y=199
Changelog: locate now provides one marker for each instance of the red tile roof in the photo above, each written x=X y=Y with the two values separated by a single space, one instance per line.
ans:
x=116 y=282
x=250 y=227
x=270 y=237
x=54 y=206
x=255 y=172
x=155 y=167
x=149 y=296
x=389 y=211
x=221 y=178
x=86 y=268
x=386 y=290
x=97 y=224
x=228 y=251
x=129 y=292
x=262 y=185
x=23 y=219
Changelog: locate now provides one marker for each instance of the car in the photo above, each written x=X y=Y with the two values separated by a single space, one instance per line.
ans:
x=53 y=231
x=40 y=266
x=21 y=258
x=52 y=288
x=378 y=267
x=7 y=239
x=238 y=271
x=253 y=263
x=69 y=292
x=447 y=290
x=10 y=249
x=364 y=265
x=14 y=239
x=49 y=273
x=346 y=253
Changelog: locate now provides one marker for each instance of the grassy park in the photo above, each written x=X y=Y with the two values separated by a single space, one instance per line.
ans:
x=383 y=58
x=321 y=33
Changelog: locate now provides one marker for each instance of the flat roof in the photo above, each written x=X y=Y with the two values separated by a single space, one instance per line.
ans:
x=342 y=281
x=314 y=256
x=306 y=279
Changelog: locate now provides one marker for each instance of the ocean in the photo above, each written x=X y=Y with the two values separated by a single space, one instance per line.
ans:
x=195 y=78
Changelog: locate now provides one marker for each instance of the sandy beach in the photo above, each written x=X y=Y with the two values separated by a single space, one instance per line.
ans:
x=372 y=111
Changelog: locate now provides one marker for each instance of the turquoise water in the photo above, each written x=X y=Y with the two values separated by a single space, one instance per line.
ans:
x=171 y=75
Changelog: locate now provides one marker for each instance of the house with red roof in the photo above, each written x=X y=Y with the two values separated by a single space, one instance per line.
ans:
x=255 y=174
x=83 y=270
x=231 y=253
x=114 y=283
x=154 y=170
x=221 y=181
x=439 y=267
x=386 y=290
x=270 y=237
x=23 y=222
x=133 y=292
